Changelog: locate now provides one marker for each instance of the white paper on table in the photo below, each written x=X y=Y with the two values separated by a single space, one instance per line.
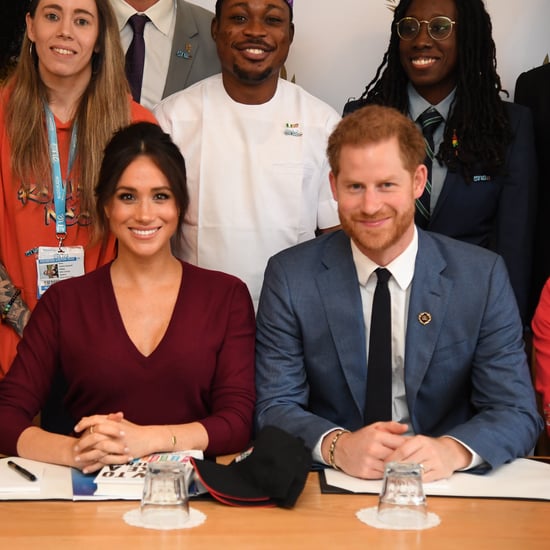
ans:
x=521 y=478
x=54 y=482
x=13 y=482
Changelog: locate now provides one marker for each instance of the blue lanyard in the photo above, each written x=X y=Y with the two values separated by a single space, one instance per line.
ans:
x=59 y=186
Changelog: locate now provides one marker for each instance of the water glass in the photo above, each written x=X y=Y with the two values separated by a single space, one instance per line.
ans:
x=165 y=503
x=402 y=502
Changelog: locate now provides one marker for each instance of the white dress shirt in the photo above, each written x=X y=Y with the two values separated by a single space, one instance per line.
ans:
x=158 y=36
x=399 y=284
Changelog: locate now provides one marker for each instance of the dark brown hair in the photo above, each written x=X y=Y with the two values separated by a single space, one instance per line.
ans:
x=140 y=139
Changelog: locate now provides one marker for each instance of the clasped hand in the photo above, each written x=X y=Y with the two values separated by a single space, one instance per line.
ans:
x=365 y=453
x=106 y=439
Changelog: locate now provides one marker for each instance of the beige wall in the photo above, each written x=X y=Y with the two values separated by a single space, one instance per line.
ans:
x=340 y=43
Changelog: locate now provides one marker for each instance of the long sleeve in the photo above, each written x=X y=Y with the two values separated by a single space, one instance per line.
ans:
x=541 y=340
x=24 y=389
x=517 y=208
x=233 y=394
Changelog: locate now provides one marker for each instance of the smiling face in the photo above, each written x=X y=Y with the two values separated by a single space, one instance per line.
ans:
x=376 y=198
x=431 y=64
x=65 y=34
x=252 y=38
x=143 y=213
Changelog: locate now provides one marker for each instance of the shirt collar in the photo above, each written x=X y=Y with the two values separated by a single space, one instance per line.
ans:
x=161 y=14
x=402 y=267
x=417 y=104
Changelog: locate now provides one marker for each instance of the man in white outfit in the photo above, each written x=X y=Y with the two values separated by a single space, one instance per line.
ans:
x=254 y=145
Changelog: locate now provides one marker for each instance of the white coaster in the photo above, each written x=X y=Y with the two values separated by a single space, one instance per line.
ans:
x=370 y=517
x=196 y=518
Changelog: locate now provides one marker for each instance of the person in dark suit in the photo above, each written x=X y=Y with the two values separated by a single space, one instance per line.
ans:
x=441 y=55
x=179 y=49
x=460 y=396
x=533 y=91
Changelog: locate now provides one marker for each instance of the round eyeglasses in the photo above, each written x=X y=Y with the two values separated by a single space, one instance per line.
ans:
x=439 y=28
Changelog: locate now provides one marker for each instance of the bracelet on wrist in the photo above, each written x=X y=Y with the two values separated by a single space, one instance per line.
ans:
x=173 y=439
x=6 y=309
x=332 y=448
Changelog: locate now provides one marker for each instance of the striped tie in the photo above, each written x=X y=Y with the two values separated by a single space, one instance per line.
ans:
x=429 y=120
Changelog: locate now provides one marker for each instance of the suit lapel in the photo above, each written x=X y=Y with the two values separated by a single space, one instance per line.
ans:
x=339 y=290
x=184 y=50
x=428 y=305
x=445 y=190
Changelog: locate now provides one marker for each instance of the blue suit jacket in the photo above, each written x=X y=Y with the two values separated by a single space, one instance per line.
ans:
x=497 y=213
x=191 y=32
x=466 y=373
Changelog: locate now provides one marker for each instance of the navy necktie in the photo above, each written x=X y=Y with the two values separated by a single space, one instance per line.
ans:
x=429 y=120
x=135 y=56
x=378 y=405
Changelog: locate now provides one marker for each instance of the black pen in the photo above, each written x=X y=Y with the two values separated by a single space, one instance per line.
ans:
x=20 y=470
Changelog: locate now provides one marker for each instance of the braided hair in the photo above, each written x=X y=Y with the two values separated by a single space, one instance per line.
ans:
x=478 y=130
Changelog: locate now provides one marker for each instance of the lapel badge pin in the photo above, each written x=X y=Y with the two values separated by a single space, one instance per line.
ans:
x=186 y=53
x=424 y=318
x=293 y=129
x=481 y=177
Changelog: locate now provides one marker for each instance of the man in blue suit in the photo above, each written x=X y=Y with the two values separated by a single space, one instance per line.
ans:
x=461 y=396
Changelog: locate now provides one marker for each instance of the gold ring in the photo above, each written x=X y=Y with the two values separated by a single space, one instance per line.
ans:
x=92 y=430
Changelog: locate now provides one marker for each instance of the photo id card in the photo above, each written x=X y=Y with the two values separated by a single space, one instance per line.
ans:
x=55 y=264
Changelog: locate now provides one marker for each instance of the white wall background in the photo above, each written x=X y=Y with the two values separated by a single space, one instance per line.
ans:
x=339 y=43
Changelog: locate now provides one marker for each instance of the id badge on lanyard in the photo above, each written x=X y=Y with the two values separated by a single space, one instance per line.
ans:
x=54 y=264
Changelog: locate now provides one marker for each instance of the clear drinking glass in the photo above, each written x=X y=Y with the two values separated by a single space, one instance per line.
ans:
x=165 y=503
x=402 y=501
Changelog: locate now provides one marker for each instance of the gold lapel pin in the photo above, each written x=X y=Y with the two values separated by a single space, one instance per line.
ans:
x=424 y=317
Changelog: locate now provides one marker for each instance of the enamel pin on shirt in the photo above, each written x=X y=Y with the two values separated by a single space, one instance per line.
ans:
x=293 y=129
